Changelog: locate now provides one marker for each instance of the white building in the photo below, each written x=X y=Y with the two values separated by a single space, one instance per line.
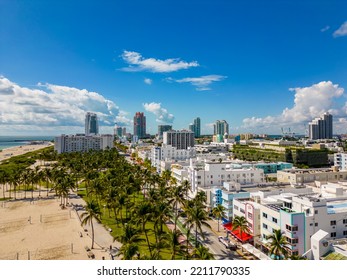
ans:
x=82 y=143
x=209 y=174
x=169 y=153
x=299 y=213
x=340 y=160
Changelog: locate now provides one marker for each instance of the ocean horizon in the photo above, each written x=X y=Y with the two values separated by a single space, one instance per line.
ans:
x=15 y=141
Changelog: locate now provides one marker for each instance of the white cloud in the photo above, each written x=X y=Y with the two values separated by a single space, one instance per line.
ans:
x=51 y=106
x=138 y=63
x=326 y=28
x=148 y=81
x=201 y=83
x=309 y=103
x=341 y=31
x=162 y=114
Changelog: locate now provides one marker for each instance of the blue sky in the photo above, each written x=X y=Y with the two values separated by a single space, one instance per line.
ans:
x=260 y=65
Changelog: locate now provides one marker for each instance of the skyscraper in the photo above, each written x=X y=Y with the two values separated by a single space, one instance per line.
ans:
x=140 y=125
x=321 y=128
x=220 y=127
x=197 y=127
x=91 y=124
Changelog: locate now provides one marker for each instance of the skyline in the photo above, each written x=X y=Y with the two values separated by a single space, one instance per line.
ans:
x=259 y=66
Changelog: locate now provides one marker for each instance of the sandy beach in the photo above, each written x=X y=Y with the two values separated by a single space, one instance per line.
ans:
x=41 y=230
x=19 y=150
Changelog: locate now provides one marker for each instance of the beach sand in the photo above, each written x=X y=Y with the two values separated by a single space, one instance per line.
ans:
x=19 y=150
x=41 y=230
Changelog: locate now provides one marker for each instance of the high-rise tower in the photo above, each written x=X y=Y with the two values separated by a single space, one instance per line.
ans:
x=197 y=127
x=91 y=124
x=140 y=125
x=321 y=128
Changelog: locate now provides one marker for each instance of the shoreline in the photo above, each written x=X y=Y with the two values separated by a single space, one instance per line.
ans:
x=7 y=153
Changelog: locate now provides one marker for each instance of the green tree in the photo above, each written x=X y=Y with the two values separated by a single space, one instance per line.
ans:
x=278 y=245
x=202 y=253
x=219 y=213
x=92 y=212
x=240 y=223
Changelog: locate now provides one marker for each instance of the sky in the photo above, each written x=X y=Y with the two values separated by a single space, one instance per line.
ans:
x=262 y=66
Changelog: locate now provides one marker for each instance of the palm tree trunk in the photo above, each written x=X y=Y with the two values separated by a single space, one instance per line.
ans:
x=91 y=223
x=149 y=245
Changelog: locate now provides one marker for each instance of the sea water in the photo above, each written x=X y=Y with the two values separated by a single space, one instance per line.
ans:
x=14 y=141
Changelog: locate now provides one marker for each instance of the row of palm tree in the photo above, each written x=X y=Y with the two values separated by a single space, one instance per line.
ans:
x=139 y=202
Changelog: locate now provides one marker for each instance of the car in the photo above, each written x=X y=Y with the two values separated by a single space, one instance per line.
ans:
x=226 y=242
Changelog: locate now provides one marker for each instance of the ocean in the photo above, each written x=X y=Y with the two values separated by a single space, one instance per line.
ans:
x=14 y=141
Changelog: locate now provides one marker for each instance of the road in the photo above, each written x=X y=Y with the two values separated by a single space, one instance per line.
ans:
x=217 y=248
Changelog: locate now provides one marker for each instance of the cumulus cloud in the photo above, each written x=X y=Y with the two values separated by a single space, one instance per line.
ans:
x=138 y=63
x=51 y=105
x=326 y=28
x=162 y=114
x=341 y=31
x=309 y=103
x=201 y=83
x=148 y=81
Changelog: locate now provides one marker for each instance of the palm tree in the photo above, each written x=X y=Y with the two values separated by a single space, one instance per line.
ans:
x=143 y=214
x=240 y=223
x=129 y=251
x=92 y=212
x=219 y=213
x=177 y=195
x=173 y=242
x=196 y=217
x=278 y=244
x=202 y=253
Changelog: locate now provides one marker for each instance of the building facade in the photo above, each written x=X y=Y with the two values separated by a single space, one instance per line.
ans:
x=140 y=125
x=91 y=124
x=163 y=128
x=221 y=127
x=180 y=139
x=340 y=160
x=321 y=128
x=82 y=143
x=302 y=176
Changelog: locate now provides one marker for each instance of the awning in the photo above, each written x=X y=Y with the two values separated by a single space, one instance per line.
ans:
x=242 y=237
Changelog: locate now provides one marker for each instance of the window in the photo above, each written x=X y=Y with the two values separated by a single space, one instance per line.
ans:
x=236 y=207
x=242 y=210
x=316 y=211
x=316 y=224
x=274 y=220
x=292 y=240
x=311 y=224
x=291 y=228
x=250 y=216
x=345 y=232
x=264 y=215
x=333 y=223
x=333 y=234
x=344 y=221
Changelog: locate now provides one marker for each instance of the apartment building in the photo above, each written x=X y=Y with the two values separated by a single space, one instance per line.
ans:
x=82 y=143
x=211 y=174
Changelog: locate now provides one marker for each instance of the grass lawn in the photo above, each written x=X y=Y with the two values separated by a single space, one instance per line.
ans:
x=108 y=219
